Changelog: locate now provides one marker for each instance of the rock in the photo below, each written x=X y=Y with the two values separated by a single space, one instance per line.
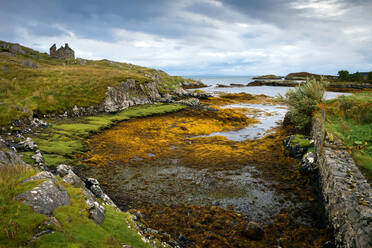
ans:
x=4 y=68
x=29 y=63
x=308 y=164
x=93 y=185
x=39 y=123
x=62 y=170
x=192 y=102
x=73 y=179
x=96 y=211
x=7 y=54
x=192 y=84
x=97 y=191
x=81 y=61
x=16 y=48
x=10 y=158
x=28 y=144
x=47 y=196
x=254 y=231
x=38 y=158
x=40 y=176
x=297 y=149
x=46 y=227
x=129 y=93
x=91 y=181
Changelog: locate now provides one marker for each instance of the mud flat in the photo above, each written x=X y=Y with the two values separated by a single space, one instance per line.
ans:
x=200 y=177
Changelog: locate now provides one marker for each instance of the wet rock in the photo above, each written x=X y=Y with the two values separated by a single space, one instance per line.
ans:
x=308 y=164
x=27 y=145
x=47 y=196
x=254 y=231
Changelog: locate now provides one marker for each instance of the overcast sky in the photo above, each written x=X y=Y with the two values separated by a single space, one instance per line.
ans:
x=198 y=37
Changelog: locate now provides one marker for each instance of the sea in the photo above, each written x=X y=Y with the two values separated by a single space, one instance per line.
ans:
x=272 y=91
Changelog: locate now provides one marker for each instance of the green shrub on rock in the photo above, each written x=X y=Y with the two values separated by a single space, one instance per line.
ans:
x=302 y=102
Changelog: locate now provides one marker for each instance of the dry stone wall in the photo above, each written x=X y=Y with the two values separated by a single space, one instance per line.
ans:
x=346 y=193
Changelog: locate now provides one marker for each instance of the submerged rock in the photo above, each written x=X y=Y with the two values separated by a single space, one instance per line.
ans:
x=254 y=231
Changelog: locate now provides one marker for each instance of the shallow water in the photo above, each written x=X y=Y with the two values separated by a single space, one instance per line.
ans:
x=269 y=117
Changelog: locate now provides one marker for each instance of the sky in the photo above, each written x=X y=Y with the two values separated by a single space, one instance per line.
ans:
x=201 y=37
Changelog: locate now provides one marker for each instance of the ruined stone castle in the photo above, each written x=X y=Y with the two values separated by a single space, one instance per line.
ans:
x=61 y=53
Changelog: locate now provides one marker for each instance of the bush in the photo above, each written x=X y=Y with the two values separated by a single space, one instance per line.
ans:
x=302 y=102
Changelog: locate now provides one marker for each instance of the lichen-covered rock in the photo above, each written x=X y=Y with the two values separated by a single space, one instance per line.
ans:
x=47 y=196
x=93 y=185
x=96 y=211
x=73 y=179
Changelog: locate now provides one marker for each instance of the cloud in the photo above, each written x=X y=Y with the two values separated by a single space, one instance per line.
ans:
x=202 y=36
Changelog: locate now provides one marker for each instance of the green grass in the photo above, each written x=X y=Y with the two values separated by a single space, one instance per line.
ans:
x=65 y=138
x=77 y=230
x=350 y=119
x=17 y=221
x=301 y=141
x=57 y=85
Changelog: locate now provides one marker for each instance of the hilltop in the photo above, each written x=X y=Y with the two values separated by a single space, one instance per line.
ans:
x=35 y=84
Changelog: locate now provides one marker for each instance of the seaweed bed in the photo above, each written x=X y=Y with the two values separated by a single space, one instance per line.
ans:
x=206 y=189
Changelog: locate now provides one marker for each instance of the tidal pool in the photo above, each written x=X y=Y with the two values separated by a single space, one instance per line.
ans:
x=198 y=162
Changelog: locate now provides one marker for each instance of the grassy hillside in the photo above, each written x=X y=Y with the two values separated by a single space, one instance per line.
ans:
x=32 y=82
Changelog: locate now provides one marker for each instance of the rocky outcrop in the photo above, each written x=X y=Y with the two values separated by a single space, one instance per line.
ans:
x=130 y=93
x=192 y=84
x=47 y=196
x=346 y=193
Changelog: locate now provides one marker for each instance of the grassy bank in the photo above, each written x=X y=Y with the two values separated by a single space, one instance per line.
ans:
x=66 y=137
x=53 y=86
x=350 y=119
x=19 y=223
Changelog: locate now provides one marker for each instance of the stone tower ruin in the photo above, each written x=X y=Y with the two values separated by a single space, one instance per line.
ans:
x=61 y=53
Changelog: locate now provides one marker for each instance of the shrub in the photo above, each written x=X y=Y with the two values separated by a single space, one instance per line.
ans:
x=302 y=102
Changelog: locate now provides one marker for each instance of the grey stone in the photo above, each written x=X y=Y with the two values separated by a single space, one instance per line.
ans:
x=29 y=63
x=96 y=190
x=7 y=54
x=191 y=102
x=254 y=231
x=73 y=179
x=96 y=211
x=28 y=144
x=8 y=157
x=46 y=197
x=4 y=68
x=16 y=48
x=38 y=158
x=39 y=123
x=62 y=170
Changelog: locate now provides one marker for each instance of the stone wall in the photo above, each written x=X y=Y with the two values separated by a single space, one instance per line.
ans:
x=62 y=53
x=346 y=193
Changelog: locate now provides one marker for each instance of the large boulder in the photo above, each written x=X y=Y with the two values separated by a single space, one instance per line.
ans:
x=8 y=157
x=47 y=196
